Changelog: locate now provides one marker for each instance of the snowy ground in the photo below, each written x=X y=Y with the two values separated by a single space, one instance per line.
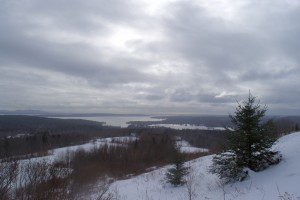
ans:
x=120 y=141
x=279 y=180
x=63 y=151
x=187 y=126
x=186 y=147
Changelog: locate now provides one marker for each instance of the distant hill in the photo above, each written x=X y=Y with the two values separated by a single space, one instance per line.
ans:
x=23 y=112
x=210 y=121
x=14 y=124
x=50 y=114
x=89 y=115
x=284 y=123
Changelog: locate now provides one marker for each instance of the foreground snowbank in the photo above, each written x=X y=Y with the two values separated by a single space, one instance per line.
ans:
x=279 y=180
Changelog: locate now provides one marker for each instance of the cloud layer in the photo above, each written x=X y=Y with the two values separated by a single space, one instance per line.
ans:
x=157 y=57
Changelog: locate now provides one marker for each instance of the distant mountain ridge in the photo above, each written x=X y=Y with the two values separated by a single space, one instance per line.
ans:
x=14 y=124
x=49 y=114
x=23 y=112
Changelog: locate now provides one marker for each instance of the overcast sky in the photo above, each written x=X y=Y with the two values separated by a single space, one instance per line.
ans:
x=151 y=57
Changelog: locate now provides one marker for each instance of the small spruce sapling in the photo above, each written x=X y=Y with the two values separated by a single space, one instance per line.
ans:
x=176 y=174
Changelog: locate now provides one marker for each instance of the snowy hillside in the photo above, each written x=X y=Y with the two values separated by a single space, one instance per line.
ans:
x=281 y=181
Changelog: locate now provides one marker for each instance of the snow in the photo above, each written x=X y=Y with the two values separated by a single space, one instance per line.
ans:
x=66 y=152
x=187 y=126
x=112 y=141
x=185 y=147
x=279 y=180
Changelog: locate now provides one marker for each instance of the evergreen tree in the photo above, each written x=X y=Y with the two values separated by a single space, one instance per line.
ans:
x=228 y=168
x=249 y=143
x=176 y=174
x=297 y=127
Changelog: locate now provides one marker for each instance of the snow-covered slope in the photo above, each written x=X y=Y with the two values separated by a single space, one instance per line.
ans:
x=279 y=180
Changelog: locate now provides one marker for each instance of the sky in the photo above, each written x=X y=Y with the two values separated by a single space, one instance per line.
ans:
x=149 y=57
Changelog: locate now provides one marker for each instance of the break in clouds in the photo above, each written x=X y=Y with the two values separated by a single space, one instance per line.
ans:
x=184 y=56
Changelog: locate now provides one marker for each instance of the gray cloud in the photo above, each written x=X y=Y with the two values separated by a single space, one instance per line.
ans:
x=116 y=56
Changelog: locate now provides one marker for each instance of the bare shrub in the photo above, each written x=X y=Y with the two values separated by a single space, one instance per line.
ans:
x=42 y=180
x=119 y=161
x=286 y=195
x=102 y=190
x=8 y=174
x=190 y=178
